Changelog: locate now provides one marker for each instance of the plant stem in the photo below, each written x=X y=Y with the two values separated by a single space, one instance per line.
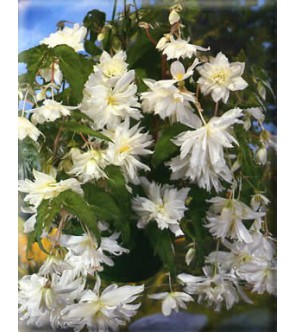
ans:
x=136 y=10
x=114 y=10
x=56 y=140
x=150 y=37
x=216 y=109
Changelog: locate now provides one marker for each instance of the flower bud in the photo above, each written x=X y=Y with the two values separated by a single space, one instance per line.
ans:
x=173 y=17
x=261 y=156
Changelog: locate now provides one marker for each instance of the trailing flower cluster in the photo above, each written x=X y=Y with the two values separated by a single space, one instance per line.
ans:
x=113 y=130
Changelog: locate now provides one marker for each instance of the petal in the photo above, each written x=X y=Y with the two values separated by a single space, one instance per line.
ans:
x=177 y=70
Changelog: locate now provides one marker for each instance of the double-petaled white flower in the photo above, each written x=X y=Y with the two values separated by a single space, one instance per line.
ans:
x=27 y=129
x=164 y=204
x=45 y=187
x=72 y=37
x=178 y=48
x=41 y=299
x=172 y=301
x=214 y=288
x=127 y=145
x=86 y=257
x=112 y=67
x=261 y=274
x=201 y=156
x=219 y=77
x=168 y=101
x=88 y=165
x=225 y=219
x=50 y=111
x=103 y=312
x=109 y=102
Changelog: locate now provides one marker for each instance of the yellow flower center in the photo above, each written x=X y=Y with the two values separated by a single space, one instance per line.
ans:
x=111 y=100
x=124 y=148
x=179 y=76
x=220 y=77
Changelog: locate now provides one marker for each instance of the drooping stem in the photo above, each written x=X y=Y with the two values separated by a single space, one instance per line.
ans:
x=56 y=140
x=147 y=31
x=163 y=65
x=24 y=104
x=200 y=111
x=216 y=108
x=170 y=284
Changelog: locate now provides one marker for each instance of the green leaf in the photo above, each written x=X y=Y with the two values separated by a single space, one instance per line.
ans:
x=74 y=68
x=164 y=148
x=161 y=241
x=49 y=209
x=117 y=185
x=28 y=158
x=94 y=21
x=91 y=48
x=76 y=205
x=102 y=203
x=35 y=58
x=78 y=128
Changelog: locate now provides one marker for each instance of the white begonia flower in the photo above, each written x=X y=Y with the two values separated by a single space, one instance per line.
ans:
x=172 y=301
x=88 y=165
x=225 y=219
x=178 y=72
x=126 y=147
x=201 y=152
x=112 y=66
x=260 y=273
x=164 y=204
x=214 y=288
x=104 y=312
x=84 y=254
x=54 y=264
x=109 y=102
x=27 y=129
x=46 y=73
x=50 y=111
x=45 y=187
x=178 y=48
x=173 y=17
x=72 y=37
x=261 y=156
x=219 y=77
x=261 y=248
x=167 y=100
x=41 y=299
x=259 y=202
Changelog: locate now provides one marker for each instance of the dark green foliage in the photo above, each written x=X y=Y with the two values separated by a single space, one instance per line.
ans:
x=162 y=242
x=35 y=58
x=122 y=197
x=102 y=203
x=140 y=264
x=75 y=69
x=79 y=128
x=164 y=148
x=49 y=209
x=94 y=21
x=28 y=158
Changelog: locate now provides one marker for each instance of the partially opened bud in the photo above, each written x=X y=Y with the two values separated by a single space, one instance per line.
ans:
x=173 y=17
x=261 y=156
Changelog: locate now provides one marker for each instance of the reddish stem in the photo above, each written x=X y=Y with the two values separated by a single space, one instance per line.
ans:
x=150 y=37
